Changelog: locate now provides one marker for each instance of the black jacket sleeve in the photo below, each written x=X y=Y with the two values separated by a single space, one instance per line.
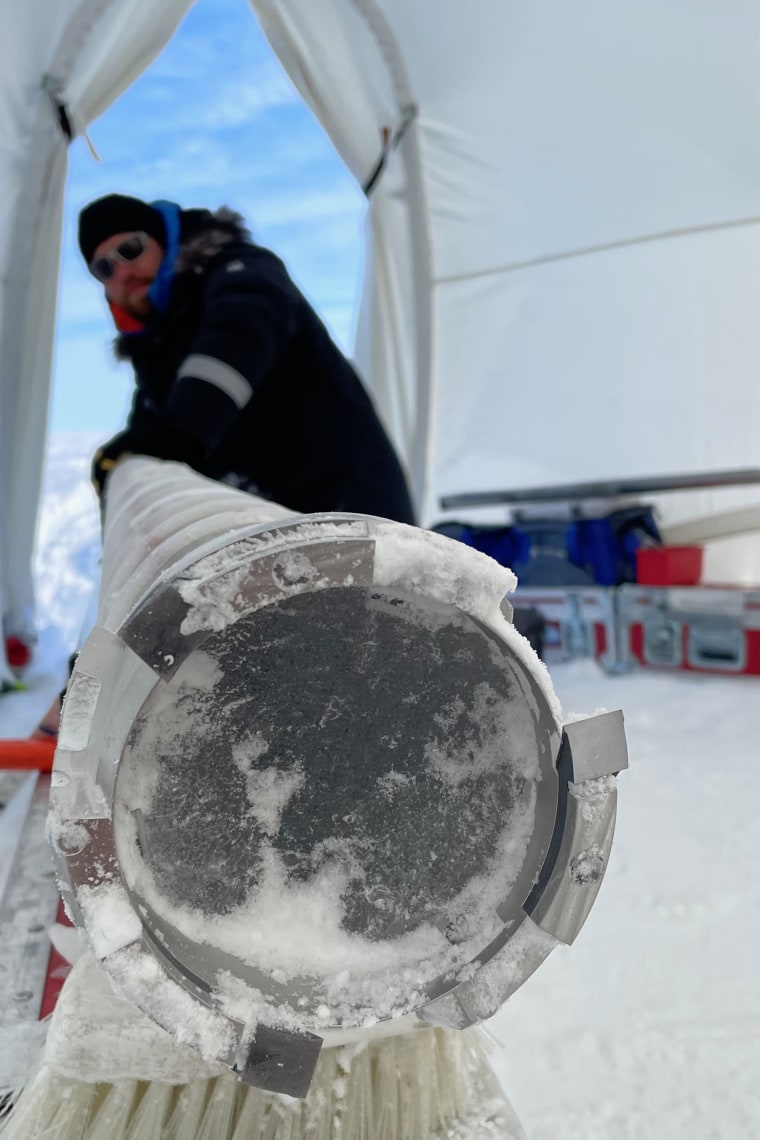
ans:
x=148 y=432
x=248 y=320
x=165 y=442
x=143 y=416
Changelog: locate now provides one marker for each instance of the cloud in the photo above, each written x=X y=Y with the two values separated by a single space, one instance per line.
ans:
x=295 y=207
x=243 y=99
x=225 y=100
x=217 y=73
x=286 y=150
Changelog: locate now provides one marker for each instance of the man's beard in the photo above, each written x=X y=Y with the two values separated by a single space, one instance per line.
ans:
x=138 y=307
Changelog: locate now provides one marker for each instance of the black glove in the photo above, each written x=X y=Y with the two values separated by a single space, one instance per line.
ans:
x=162 y=441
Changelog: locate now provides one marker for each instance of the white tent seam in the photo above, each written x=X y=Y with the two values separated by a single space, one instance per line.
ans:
x=589 y=251
x=68 y=50
x=386 y=41
x=422 y=245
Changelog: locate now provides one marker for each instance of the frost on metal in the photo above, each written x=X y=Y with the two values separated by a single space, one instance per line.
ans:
x=96 y=1035
x=171 y=1006
x=341 y=803
x=81 y=699
x=506 y=971
x=438 y=567
x=213 y=585
x=110 y=920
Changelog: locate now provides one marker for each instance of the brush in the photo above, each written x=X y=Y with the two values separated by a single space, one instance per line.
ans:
x=426 y=1084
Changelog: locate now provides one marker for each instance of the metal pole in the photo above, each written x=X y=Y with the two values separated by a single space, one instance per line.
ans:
x=310 y=779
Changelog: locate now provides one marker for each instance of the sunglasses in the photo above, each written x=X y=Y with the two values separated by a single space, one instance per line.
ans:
x=128 y=250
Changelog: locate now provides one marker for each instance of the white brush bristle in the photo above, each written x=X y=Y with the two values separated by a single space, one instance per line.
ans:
x=423 y=1085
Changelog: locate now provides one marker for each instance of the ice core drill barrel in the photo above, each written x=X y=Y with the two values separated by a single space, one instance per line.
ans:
x=310 y=780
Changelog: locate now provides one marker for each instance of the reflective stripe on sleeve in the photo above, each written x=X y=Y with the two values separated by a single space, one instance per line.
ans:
x=221 y=375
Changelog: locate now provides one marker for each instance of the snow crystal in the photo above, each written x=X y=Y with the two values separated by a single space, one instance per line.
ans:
x=594 y=797
x=110 y=922
x=507 y=969
x=435 y=566
x=268 y=789
x=392 y=782
x=198 y=671
x=293 y=568
x=495 y=728
x=574 y=717
x=139 y=780
x=213 y=585
x=328 y=531
x=213 y=604
x=67 y=941
x=533 y=665
x=439 y=567
x=68 y=836
x=97 y=1035
x=597 y=788
x=78 y=711
x=588 y=866
x=140 y=977
x=291 y=929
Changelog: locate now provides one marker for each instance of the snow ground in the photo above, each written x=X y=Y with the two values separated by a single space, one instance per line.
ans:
x=648 y=1028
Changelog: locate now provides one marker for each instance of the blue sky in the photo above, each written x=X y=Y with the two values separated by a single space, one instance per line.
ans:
x=215 y=121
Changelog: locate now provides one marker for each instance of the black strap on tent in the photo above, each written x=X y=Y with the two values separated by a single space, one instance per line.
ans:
x=53 y=89
x=390 y=140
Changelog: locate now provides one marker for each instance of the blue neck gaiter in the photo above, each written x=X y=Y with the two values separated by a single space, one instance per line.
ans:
x=160 y=291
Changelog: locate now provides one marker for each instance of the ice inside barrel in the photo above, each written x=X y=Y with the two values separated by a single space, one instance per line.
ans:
x=330 y=809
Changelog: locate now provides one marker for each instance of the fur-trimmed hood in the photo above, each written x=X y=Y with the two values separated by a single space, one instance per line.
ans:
x=203 y=236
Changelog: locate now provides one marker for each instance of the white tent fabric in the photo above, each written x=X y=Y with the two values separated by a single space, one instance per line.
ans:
x=564 y=271
x=563 y=243
x=345 y=58
x=78 y=55
x=347 y=61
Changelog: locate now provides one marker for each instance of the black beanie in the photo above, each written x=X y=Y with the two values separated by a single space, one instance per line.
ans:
x=117 y=214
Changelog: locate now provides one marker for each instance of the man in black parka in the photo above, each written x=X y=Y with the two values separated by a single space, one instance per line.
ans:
x=235 y=373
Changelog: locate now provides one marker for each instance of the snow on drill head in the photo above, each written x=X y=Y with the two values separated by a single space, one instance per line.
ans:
x=311 y=783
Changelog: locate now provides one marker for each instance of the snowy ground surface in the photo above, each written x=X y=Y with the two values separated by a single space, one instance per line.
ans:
x=648 y=1028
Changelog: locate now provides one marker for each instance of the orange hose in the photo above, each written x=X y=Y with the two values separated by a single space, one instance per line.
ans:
x=28 y=755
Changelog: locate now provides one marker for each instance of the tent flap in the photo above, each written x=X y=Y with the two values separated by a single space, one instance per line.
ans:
x=66 y=60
